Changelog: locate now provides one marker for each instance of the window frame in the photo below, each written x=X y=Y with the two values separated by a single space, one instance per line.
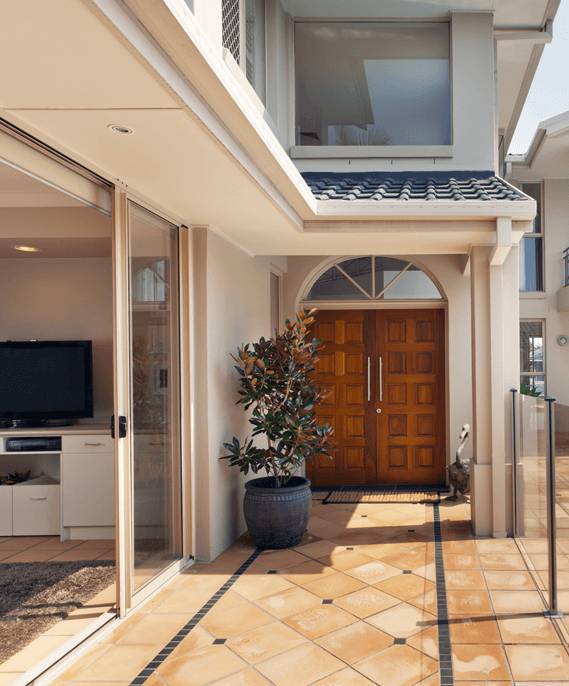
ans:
x=533 y=235
x=528 y=374
x=366 y=151
x=241 y=64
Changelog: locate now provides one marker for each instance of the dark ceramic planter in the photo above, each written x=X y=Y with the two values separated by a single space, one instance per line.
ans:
x=277 y=517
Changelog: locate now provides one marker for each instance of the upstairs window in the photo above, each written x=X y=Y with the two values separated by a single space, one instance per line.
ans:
x=243 y=35
x=531 y=246
x=370 y=83
x=532 y=357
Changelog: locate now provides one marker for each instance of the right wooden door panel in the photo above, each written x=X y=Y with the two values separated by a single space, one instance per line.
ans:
x=410 y=396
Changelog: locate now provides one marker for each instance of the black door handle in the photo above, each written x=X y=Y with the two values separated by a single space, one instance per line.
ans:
x=122 y=426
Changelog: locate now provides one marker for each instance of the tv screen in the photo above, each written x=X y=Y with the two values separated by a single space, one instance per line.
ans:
x=41 y=380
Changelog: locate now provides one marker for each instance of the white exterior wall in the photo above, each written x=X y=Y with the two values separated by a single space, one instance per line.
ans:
x=544 y=306
x=446 y=270
x=230 y=306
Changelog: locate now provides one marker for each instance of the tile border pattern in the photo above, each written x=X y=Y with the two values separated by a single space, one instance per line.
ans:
x=445 y=649
x=175 y=641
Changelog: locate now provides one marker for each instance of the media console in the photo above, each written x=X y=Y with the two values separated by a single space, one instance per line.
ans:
x=71 y=491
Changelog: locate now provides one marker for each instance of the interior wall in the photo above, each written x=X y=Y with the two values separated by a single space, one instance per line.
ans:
x=447 y=271
x=232 y=308
x=59 y=299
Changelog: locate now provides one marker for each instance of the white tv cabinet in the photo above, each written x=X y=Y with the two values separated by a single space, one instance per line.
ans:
x=72 y=493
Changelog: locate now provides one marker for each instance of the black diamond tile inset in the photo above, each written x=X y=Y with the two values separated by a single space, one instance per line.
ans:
x=327 y=601
x=400 y=641
x=219 y=641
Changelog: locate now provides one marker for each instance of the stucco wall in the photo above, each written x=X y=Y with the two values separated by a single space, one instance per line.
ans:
x=231 y=306
x=544 y=306
x=447 y=271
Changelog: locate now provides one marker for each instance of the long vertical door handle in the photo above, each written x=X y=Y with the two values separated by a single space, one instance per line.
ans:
x=368 y=378
x=380 y=378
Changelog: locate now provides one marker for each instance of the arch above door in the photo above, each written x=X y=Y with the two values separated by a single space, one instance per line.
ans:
x=369 y=280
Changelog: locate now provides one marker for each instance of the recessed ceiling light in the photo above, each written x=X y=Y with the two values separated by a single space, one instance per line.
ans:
x=26 y=248
x=120 y=128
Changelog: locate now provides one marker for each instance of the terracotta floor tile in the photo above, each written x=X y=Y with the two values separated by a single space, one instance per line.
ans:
x=409 y=559
x=201 y=666
x=503 y=581
x=289 y=603
x=405 y=586
x=120 y=663
x=469 y=603
x=248 y=677
x=402 y=621
x=320 y=620
x=255 y=586
x=464 y=579
x=480 y=662
x=30 y=555
x=536 y=629
x=426 y=601
x=427 y=642
x=355 y=642
x=473 y=630
x=345 y=677
x=538 y=663
x=265 y=642
x=300 y=666
x=428 y=572
x=366 y=602
x=399 y=665
x=516 y=602
x=334 y=585
x=279 y=559
x=459 y=547
x=149 y=629
x=373 y=572
x=225 y=622
x=318 y=549
x=453 y=561
x=343 y=559
x=502 y=562
x=497 y=546
x=541 y=562
x=307 y=572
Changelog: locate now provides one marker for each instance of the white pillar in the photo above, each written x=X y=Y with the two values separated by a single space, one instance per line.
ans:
x=495 y=369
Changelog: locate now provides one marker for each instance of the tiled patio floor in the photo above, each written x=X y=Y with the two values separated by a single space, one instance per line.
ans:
x=355 y=604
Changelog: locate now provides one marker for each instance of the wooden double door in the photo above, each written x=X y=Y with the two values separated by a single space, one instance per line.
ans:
x=383 y=374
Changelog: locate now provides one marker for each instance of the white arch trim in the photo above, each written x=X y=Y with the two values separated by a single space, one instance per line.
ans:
x=370 y=303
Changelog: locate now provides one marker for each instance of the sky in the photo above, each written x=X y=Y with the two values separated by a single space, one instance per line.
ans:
x=549 y=92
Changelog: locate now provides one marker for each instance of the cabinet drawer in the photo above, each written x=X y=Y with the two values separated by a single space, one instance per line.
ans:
x=88 y=482
x=35 y=510
x=97 y=443
x=6 y=510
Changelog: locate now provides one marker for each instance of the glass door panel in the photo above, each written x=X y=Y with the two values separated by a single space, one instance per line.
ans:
x=155 y=394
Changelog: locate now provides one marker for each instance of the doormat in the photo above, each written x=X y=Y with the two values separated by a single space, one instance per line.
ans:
x=36 y=595
x=347 y=495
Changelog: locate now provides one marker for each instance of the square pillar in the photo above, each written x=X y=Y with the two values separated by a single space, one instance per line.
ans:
x=495 y=369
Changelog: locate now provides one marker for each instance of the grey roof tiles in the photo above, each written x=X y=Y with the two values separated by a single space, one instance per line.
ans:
x=453 y=185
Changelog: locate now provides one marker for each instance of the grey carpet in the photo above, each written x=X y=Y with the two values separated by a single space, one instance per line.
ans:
x=36 y=595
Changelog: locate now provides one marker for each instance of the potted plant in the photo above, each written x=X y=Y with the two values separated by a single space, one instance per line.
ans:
x=278 y=387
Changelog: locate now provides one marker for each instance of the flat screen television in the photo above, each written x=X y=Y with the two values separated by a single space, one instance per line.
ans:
x=45 y=380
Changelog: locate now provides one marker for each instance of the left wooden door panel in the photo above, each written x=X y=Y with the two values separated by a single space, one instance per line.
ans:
x=342 y=373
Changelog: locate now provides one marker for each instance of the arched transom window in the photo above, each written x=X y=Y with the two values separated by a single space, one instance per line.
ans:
x=372 y=278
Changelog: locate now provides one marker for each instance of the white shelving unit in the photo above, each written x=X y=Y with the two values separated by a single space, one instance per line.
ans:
x=71 y=492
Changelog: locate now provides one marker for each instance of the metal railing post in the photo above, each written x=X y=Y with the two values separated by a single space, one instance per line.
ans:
x=551 y=504
x=515 y=503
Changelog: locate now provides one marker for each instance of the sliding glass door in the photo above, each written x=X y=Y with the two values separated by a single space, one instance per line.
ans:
x=147 y=424
x=155 y=393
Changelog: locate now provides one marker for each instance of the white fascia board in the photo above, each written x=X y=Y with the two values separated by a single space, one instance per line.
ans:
x=501 y=250
x=428 y=210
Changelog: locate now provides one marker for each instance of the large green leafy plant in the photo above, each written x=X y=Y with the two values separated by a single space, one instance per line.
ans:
x=277 y=384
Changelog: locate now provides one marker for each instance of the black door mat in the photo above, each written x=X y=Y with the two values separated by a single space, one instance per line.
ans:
x=355 y=495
